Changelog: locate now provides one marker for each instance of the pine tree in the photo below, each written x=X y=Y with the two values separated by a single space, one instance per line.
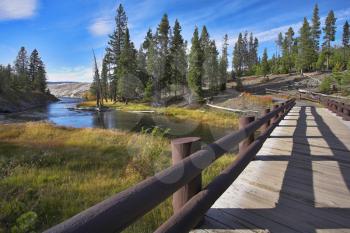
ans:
x=195 y=67
x=245 y=51
x=237 y=62
x=162 y=38
x=104 y=79
x=329 y=34
x=37 y=73
x=316 y=28
x=212 y=68
x=223 y=65
x=115 y=46
x=265 y=67
x=306 y=53
x=206 y=50
x=127 y=83
x=178 y=55
x=279 y=41
x=287 y=51
x=21 y=68
x=346 y=35
x=96 y=85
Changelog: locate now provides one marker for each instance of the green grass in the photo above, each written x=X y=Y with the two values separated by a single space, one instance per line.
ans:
x=49 y=173
x=202 y=115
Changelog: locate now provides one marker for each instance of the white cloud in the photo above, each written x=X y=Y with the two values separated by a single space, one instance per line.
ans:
x=74 y=74
x=17 y=9
x=101 y=27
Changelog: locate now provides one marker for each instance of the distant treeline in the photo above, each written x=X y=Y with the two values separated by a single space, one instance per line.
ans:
x=162 y=68
x=308 y=52
x=27 y=73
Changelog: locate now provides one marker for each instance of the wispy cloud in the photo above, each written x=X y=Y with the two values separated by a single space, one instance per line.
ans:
x=17 y=9
x=101 y=27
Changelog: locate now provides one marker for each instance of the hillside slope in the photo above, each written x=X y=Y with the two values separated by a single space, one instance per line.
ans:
x=74 y=90
x=16 y=101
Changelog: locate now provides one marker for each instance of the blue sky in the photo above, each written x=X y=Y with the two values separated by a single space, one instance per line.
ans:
x=66 y=31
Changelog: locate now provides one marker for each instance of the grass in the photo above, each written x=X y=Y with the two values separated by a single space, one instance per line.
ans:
x=50 y=173
x=203 y=115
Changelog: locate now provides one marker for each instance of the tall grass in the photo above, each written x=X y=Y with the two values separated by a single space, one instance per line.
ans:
x=49 y=173
x=202 y=115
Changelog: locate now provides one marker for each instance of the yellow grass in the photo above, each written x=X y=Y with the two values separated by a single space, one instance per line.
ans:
x=203 y=115
x=52 y=173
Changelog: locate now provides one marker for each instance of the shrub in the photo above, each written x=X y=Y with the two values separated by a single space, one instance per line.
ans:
x=25 y=223
x=325 y=86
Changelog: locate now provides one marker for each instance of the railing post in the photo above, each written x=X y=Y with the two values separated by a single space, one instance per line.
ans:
x=340 y=109
x=346 y=115
x=243 y=122
x=265 y=126
x=182 y=148
x=275 y=118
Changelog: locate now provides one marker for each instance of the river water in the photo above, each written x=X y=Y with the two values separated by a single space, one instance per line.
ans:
x=62 y=113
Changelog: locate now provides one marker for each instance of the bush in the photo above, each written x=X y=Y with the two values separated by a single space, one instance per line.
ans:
x=25 y=223
x=325 y=86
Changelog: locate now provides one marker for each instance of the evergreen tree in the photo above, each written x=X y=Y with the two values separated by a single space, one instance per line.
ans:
x=287 y=51
x=212 y=68
x=127 y=83
x=37 y=73
x=329 y=34
x=265 y=67
x=96 y=85
x=179 y=60
x=306 y=53
x=142 y=66
x=162 y=37
x=245 y=51
x=279 y=41
x=346 y=35
x=195 y=66
x=316 y=28
x=33 y=67
x=223 y=65
x=237 y=62
x=206 y=50
x=21 y=68
x=115 y=46
x=104 y=79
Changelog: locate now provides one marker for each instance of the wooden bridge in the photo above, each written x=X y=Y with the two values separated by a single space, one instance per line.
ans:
x=299 y=181
x=293 y=177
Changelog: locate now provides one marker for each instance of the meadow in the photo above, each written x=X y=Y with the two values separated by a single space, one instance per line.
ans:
x=50 y=173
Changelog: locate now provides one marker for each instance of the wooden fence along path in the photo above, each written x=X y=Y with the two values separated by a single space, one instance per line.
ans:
x=293 y=177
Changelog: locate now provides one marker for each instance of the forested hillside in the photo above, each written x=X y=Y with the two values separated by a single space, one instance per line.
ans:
x=23 y=85
x=163 y=68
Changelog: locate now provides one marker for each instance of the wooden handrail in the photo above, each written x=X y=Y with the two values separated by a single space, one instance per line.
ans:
x=121 y=210
x=339 y=107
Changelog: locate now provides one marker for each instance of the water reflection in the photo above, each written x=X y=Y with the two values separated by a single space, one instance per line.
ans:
x=63 y=113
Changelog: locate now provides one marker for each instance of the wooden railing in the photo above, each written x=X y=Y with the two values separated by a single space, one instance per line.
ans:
x=337 y=106
x=183 y=179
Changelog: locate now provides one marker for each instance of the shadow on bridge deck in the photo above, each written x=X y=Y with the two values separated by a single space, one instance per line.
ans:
x=300 y=181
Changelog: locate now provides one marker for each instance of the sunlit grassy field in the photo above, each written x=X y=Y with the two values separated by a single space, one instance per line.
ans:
x=206 y=116
x=50 y=173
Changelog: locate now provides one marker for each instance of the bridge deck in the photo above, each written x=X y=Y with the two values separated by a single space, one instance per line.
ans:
x=300 y=181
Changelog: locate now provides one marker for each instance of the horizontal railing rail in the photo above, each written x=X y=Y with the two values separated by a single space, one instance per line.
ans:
x=121 y=210
x=337 y=106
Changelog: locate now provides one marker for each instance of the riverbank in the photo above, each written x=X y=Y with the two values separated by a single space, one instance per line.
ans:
x=50 y=173
x=13 y=101
x=202 y=115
